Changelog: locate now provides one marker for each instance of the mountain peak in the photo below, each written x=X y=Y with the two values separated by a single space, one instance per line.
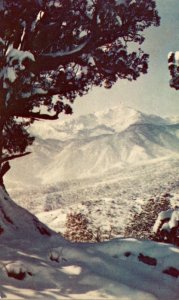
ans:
x=116 y=119
x=93 y=144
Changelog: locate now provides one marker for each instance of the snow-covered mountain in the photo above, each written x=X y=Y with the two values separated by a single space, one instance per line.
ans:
x=94 y=144
x=111 y=120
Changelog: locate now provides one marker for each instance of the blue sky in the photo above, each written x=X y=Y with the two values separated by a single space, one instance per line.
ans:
x=151 y=93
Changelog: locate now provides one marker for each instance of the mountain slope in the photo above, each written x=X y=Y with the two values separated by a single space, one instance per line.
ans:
x=115 y=119
x=94 y=144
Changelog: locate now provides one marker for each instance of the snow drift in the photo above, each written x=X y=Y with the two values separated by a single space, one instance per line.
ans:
x=17 y=222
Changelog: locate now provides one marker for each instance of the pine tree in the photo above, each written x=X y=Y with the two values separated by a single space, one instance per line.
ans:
x=78 y=229
x=173 y=66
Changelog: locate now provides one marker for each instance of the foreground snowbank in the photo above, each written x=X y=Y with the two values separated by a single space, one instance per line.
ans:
x=119 y=269
x=38 y=266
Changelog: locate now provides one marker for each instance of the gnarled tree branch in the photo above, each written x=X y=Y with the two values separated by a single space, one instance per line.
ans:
x=35 y=115
x=7 y=158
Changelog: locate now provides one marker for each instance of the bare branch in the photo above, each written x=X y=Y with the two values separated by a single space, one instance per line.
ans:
x=35 y=115
x=6 y=158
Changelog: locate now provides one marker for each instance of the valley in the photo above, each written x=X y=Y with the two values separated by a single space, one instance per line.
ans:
x=104 y=166
x=109 y=200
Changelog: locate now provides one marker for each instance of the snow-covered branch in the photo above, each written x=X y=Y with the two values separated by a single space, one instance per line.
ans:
x=76 y=49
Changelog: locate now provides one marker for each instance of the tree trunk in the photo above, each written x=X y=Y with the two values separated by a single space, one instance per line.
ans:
x=4 y=167
x=17 y=222
x=1 y=142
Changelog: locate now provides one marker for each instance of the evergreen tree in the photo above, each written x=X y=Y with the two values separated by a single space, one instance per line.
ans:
x=173 y=65
x=52 y=51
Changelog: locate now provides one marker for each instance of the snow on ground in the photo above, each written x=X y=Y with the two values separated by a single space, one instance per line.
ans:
x=56 y=269
x=107 y=201
x=175 y=200
x=127 y=269
x=49 y=267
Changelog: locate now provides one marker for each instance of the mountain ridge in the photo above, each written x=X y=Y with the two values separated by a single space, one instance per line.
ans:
x=116 y=118
x=93 y=144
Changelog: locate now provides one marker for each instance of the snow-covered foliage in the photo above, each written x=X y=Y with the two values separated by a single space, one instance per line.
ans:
x=173 y=65
x=142 y=221
x=15 y=59
x=166 y=226
x=17 y=270
x=14 y=68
